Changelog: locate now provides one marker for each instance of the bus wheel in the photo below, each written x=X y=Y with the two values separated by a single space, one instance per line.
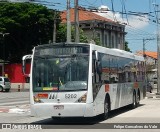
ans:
x=134 y=104
x=106 y=109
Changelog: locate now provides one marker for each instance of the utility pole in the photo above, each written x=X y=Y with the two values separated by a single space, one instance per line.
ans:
x=76 y=18
x=54 y=27
x=144 y=42
x=68 y=22
x=158 y=50
x=144 y=55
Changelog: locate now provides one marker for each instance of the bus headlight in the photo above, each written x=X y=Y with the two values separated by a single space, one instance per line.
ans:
x=83 y=99
x=37 y=100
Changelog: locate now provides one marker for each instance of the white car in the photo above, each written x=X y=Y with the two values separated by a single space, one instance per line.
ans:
x=4 y=84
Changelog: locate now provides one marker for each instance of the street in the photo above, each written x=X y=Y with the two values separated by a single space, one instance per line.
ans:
x=17 y=104
x=78 y=58
x=14 y=108
x=14 y=98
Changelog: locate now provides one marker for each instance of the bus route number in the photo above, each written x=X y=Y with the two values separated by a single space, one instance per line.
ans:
x=70 y=96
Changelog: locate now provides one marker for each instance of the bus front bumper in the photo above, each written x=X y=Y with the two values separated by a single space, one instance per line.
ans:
x=63 y=110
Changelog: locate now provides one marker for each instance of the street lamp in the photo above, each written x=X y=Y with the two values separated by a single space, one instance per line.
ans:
x=3 y=34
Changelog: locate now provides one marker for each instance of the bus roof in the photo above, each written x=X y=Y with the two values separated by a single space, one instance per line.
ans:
x=114 y=52
x=61 y=44
x=117 y=52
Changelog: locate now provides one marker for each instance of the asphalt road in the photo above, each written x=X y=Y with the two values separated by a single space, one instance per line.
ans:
x=15 y=108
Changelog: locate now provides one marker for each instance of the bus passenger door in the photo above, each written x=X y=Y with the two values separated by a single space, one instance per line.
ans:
x=96 y=79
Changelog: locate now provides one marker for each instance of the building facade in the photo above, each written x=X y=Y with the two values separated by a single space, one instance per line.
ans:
x=151 y=64
x=110 y=34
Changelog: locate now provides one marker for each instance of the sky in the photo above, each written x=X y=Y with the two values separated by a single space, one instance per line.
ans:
x=138 y=27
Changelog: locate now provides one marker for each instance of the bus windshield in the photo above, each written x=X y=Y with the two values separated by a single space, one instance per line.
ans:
x=65 y=70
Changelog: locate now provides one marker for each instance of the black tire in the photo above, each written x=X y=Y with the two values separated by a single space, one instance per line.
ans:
x=106 y=109
x=134 y=104
x=1 y=89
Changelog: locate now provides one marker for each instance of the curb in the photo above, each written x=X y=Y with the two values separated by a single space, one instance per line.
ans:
x=152 y=95
x=4 y=110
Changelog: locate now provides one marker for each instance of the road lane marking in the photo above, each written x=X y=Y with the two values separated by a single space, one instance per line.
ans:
x=14 y=103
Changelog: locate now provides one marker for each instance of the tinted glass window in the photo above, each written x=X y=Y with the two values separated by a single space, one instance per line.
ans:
x=59 y=69
x=120 y=70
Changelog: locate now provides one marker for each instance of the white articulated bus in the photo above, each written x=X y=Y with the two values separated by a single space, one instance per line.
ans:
x=83 y=80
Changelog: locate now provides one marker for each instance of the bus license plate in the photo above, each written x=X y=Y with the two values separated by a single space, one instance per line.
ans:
x=59 y=107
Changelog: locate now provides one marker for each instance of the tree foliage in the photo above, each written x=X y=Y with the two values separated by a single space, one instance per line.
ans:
x=126 y=47
x=62 y=34
x=28 y=25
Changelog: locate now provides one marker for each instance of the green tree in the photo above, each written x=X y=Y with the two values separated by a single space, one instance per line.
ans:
x=28 y=24
x=126 y=47
x=62 y=34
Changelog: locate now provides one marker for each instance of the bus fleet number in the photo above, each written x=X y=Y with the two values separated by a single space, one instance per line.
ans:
x=70 y=96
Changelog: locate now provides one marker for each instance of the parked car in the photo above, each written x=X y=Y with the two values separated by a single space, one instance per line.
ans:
x=5 y=84
x=149 y=87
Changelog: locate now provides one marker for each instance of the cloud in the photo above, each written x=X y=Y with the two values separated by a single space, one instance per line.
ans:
x=135 y=21
x=138 y=22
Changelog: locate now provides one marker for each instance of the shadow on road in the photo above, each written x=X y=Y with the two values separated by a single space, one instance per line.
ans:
x=122 y=110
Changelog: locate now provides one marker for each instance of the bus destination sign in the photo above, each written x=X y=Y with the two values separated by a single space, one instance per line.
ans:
x=62 y=51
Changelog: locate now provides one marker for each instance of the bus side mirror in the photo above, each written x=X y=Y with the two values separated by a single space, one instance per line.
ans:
x=95 y=55
x=26 y=57
x=98 y=63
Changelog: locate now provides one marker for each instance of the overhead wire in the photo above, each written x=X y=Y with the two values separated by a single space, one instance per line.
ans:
x=114 y=16
x=86 y=1
x=132 y=30
x=124 y=8
x=48 y=4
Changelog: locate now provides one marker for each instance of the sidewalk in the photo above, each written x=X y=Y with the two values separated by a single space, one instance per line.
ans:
x=153 y=94
x=19 y=90
x=19 y=87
